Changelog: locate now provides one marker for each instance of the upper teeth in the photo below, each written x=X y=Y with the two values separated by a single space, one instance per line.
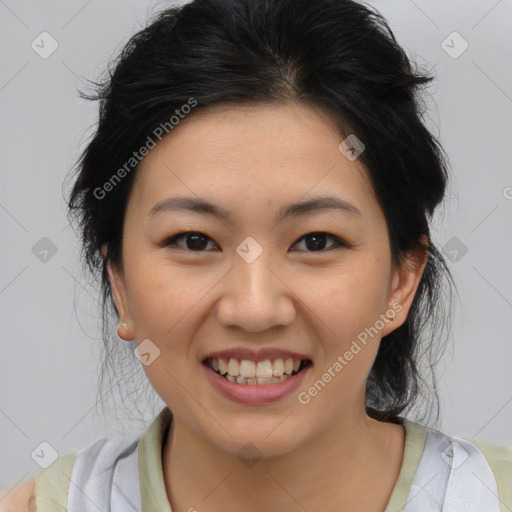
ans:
x=247 y=368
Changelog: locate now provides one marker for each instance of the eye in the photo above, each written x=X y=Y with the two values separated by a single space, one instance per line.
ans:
x=196 y=241
x=317 y=241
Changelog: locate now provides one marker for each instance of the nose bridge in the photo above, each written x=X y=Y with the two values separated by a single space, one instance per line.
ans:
x=255 y=298
x=255 y=281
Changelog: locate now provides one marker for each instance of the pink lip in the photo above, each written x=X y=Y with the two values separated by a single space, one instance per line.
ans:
x=255 y=355
x=258 y=394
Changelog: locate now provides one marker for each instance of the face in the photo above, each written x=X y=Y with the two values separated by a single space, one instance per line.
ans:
x=258 y=281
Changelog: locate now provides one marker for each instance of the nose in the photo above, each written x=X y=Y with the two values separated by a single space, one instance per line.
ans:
x=256 y=296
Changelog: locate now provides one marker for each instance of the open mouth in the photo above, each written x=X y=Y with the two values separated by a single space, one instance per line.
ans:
x=252 y=373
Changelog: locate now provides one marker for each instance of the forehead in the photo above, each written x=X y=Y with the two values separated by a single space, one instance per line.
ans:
x=246 y=154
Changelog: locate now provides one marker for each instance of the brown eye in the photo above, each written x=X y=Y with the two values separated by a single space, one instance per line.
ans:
x=316 y=242
x=194 y=241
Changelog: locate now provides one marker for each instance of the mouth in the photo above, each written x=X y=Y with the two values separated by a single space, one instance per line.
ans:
x=248 y=372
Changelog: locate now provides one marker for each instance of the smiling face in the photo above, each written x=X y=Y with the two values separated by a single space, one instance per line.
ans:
x=258 y=280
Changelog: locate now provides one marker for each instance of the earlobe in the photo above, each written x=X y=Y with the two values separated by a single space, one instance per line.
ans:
x=119 y=296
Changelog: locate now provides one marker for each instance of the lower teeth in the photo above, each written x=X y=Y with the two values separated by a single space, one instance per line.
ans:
x=253 y=381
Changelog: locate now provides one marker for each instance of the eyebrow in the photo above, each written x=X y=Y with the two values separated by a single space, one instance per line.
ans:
x=299 y=209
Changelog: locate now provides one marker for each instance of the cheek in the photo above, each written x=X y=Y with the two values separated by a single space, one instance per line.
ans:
x=163 y=301
x=347 y=306
x=347 y=299
x=163 y=297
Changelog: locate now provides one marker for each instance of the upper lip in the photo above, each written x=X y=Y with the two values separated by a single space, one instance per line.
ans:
x=255 y=355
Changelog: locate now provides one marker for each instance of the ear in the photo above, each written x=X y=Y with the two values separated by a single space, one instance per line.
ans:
x=124 y=329
x=404 y=283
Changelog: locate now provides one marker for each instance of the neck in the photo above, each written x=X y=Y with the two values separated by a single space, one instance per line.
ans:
x=352 y=465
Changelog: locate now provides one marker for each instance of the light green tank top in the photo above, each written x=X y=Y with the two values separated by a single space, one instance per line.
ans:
x=438 y=471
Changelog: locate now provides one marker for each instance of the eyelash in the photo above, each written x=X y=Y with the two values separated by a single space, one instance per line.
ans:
x=338 y=241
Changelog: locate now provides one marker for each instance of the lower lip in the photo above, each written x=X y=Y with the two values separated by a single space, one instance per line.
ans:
x=258 y=393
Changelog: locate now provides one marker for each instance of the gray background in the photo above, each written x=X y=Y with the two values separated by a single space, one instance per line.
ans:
x=49 y=314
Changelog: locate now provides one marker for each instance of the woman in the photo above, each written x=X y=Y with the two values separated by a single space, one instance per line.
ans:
x=256 y=200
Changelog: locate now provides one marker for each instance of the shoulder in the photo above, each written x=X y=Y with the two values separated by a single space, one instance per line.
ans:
x=465 y=470
x=455 y=449
x=95 y=467
x=499 y=459
x=19 y=499
x=75 y=480
x=45 y=491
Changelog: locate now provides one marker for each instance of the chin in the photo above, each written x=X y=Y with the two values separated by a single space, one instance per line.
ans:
x=260 y=439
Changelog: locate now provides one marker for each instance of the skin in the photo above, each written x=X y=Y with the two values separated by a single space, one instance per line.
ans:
x=253 y=160
x=19 y=499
